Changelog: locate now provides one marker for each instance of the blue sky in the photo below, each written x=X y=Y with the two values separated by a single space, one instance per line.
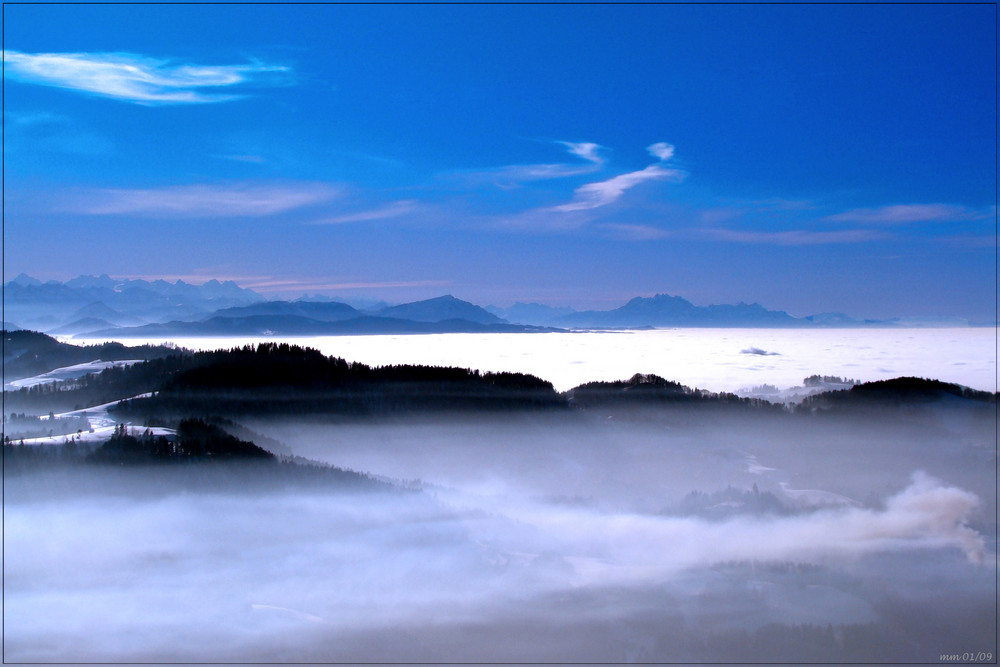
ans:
x=809 y=158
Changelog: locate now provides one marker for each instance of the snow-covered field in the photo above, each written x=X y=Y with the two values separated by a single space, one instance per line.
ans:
x=67 y=373
x=99 y=434
x=102 y=425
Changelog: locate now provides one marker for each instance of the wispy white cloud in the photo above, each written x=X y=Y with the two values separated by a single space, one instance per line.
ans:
x=661 y=150
x=202 y=201
x=133 y=78
x=517 y=173
x=908 y=213
x=393 y=210
x=793 y=237
x=595 y=195
x=584 y=150
x=602 y=193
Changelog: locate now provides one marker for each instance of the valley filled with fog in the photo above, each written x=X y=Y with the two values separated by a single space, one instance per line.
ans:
x=626 y=522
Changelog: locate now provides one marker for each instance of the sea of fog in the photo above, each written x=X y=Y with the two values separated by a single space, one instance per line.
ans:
x=564 y=538
x=713 y=359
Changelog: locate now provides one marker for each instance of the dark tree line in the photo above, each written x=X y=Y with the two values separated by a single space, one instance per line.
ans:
x=653 y=390
x=275 y=378
x=281 y=379
x=195 y=440
x=894 y=393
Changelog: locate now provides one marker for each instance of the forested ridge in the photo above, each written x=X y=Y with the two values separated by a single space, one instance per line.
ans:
x=279 y=378
x=272 y=378
x=27 y=353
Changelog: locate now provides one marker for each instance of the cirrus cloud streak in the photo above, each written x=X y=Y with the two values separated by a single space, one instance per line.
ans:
x=909 y=213
x=602 y=193
x=793 y=237
x=391 y=210
x=203 y=201
x=518 y=173
x=131 y=77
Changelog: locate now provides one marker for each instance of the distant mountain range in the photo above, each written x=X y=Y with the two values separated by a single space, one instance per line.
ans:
x=89 y=301
x=104 y=307
x=664 y=310
x=292 y=325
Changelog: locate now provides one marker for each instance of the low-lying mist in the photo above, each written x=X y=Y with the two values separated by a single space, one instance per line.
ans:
x=561 y=538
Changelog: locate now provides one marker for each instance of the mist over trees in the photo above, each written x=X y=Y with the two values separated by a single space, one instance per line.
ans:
x=636 y=520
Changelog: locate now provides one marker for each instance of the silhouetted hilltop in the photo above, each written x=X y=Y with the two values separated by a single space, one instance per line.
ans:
x=84 y=325
x=195 y=440
x=101 y=311
x=651 y=390
x=902 y=391
x=285 y=379
x=27 y=353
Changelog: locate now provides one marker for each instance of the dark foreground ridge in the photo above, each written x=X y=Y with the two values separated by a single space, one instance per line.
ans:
x=28 y=353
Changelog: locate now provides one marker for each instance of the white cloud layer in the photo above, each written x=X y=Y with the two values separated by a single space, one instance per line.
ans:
x=927 y=514
x=131 y=77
